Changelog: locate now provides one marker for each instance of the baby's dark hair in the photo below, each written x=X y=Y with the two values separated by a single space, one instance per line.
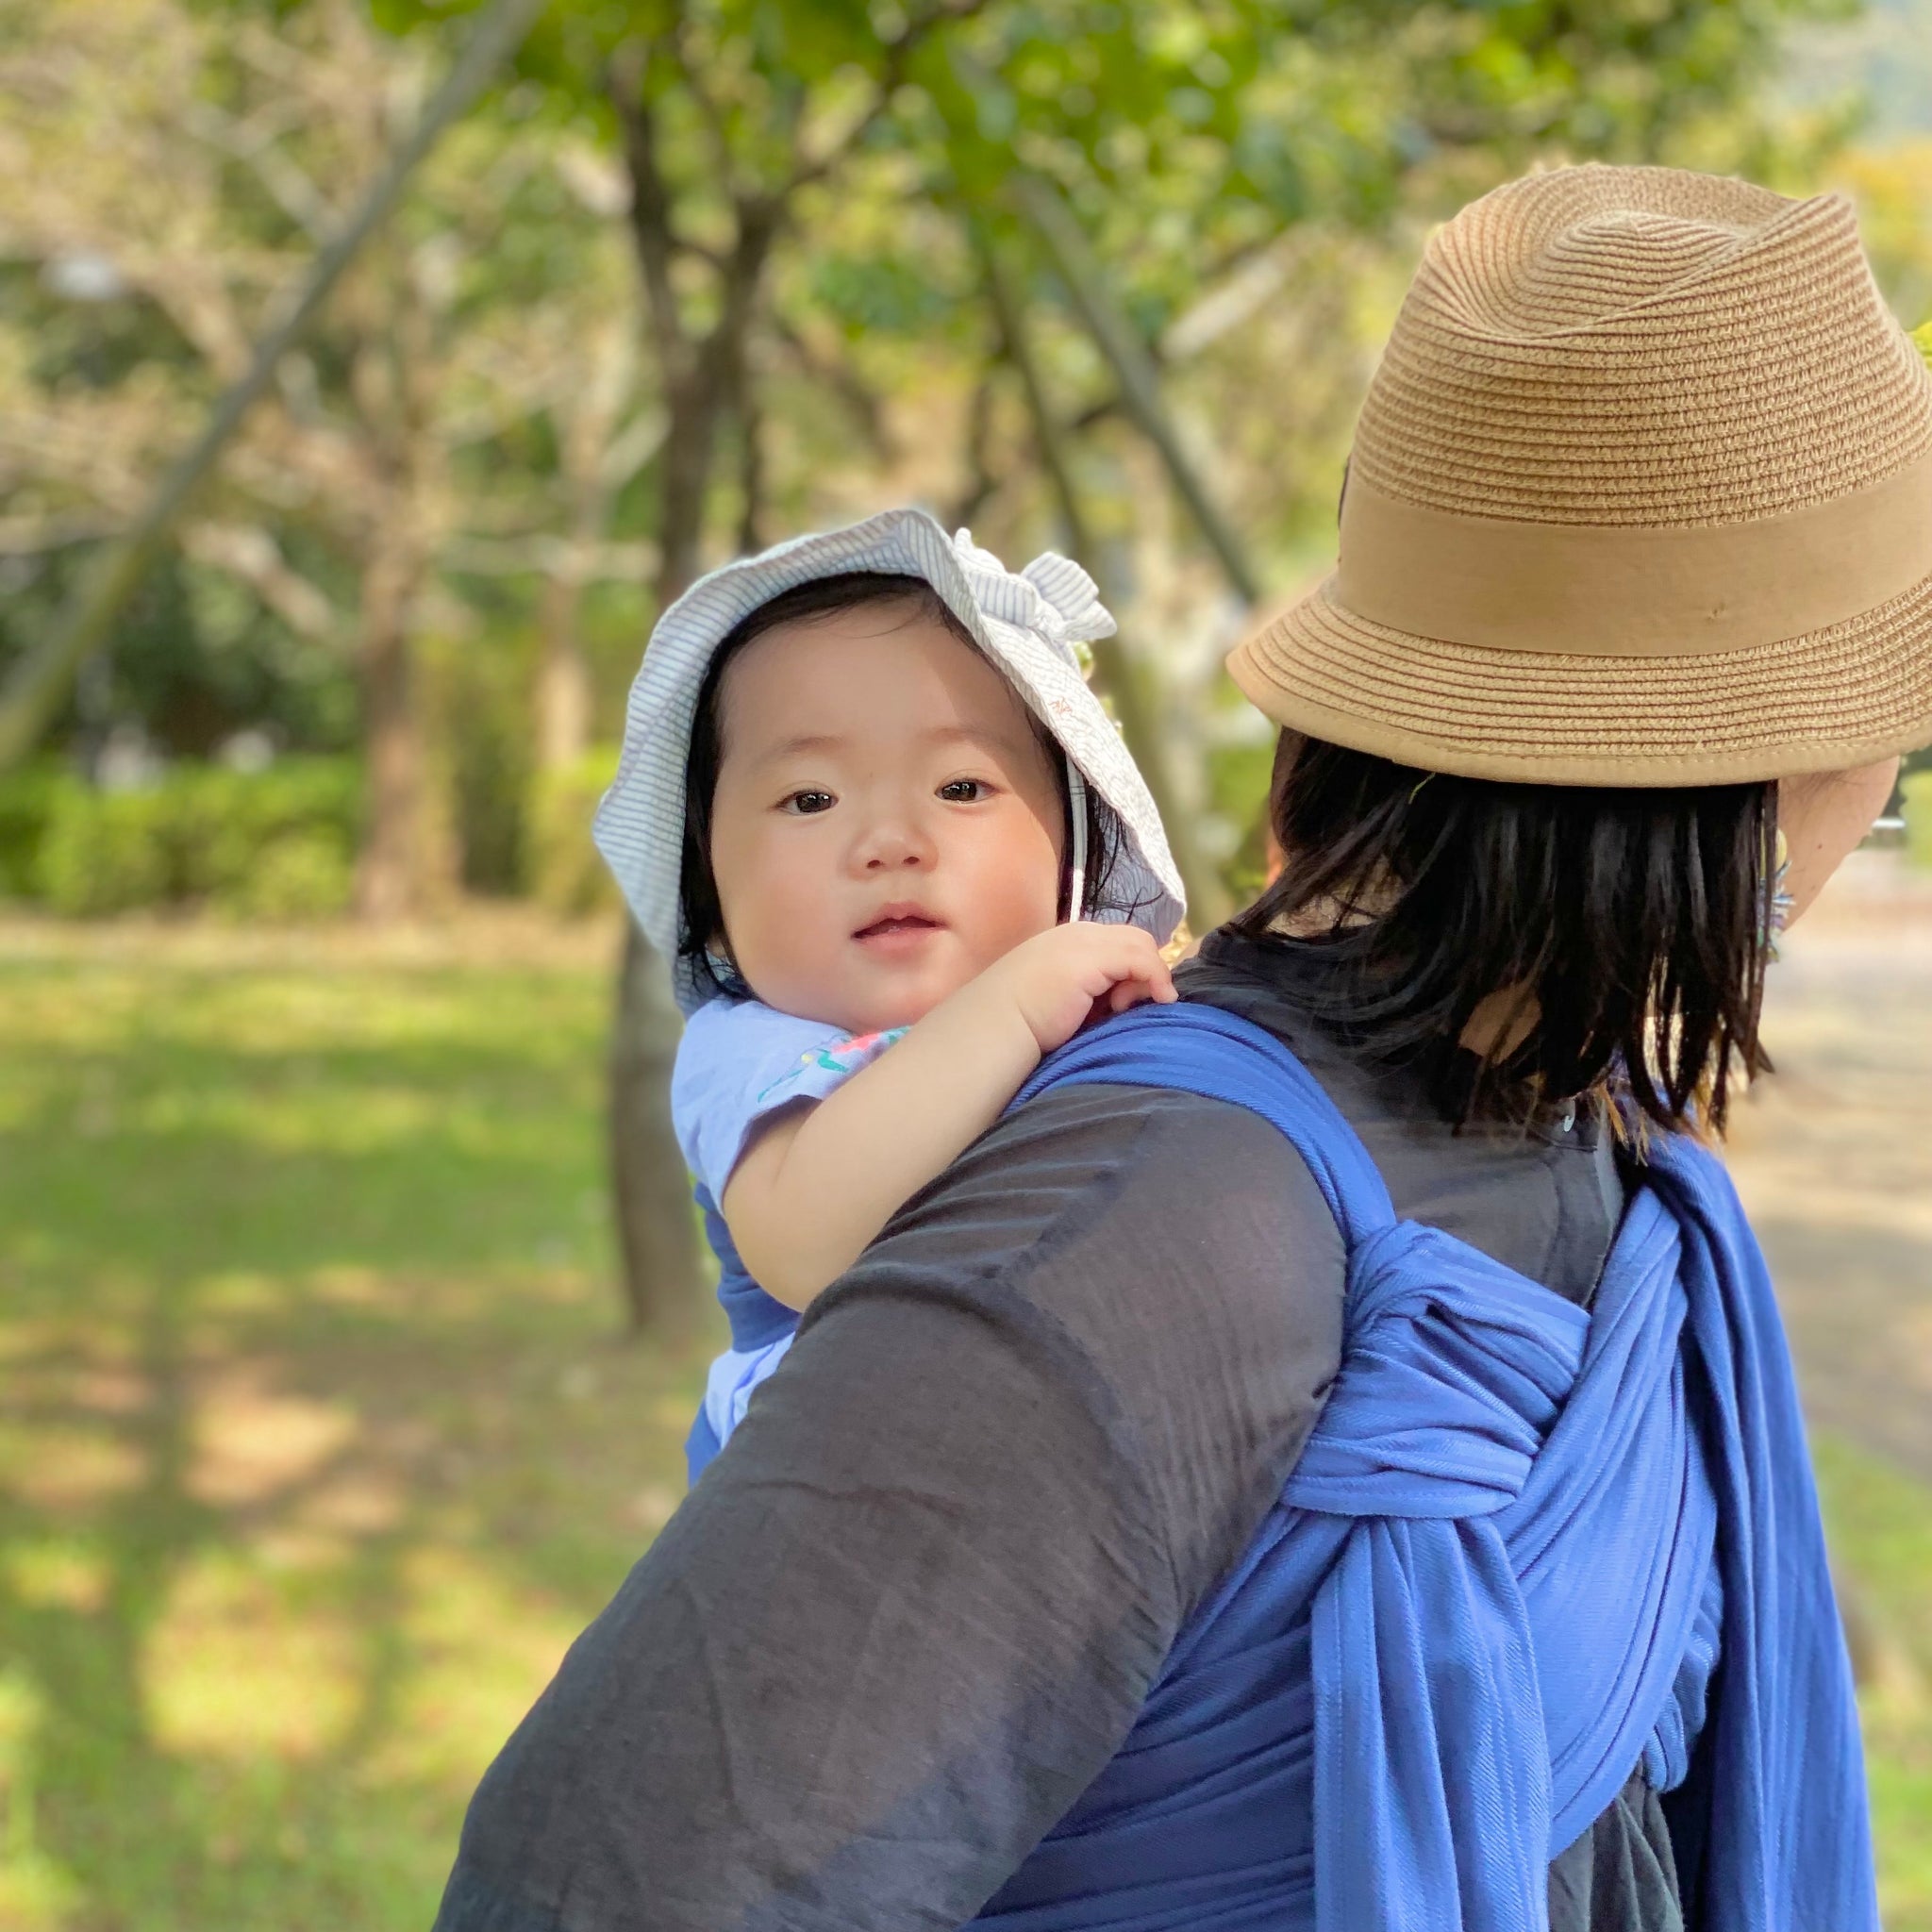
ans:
x=701 y=945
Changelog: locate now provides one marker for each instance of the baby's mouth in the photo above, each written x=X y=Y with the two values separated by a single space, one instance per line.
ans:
x=897 y=920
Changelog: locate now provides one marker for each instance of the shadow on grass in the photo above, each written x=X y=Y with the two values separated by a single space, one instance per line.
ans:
x=317 y=1450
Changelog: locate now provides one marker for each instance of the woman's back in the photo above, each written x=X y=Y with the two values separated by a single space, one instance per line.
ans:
x=1546 y=1202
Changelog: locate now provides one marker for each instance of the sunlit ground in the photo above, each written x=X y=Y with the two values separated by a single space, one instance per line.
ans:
x=317 y=1448
x=1834 y=1158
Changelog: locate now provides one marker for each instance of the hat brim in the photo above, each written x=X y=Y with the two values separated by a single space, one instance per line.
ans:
x=1829 y=700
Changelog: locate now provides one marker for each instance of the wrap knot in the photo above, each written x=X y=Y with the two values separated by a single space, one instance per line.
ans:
x=1454 y=1369
x=1052 y=597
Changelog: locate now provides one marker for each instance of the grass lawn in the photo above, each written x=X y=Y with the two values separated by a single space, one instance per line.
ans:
x=1880 y=1524
x=318 y=1445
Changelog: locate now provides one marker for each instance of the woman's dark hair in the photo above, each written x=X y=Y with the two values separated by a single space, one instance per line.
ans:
x=1627 y=927
x=701 y=918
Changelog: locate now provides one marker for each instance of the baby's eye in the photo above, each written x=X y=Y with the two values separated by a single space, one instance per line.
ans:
x=805 y=804
x=965 y=791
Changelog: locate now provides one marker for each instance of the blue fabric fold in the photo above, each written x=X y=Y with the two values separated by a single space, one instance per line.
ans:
x=1516 y=1546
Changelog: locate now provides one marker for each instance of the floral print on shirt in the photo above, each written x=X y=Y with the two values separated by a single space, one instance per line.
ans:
x=845 y=1056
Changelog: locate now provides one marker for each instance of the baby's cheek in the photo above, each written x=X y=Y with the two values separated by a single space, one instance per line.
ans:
x=781 y=927
x=1014 y=906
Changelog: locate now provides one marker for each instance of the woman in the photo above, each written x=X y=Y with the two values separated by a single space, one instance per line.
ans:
x=1178 y=1520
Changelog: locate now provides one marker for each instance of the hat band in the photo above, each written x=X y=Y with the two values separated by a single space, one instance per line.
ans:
x=1631 y=591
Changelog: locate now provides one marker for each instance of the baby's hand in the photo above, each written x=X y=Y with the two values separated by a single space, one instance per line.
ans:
x=1061 y=978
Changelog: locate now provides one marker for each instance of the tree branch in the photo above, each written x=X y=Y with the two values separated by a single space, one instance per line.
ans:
x=1126 y=680
x=982 y=483
x=1134 y=370
x=652 y=231
x=899 y=54
x=545 y=553
x=248 y=552
x=844 y=382
x=37 y=682
x=36 y=535
x=709 y=112
x=286 y=184
x=631 y=448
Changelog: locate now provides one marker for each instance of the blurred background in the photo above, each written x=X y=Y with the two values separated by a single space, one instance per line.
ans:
x=338 y=1386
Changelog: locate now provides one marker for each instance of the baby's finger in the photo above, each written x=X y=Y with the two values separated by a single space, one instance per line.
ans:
x=1151 y=974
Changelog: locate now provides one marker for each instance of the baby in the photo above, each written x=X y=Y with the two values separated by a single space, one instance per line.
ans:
x=897 y=853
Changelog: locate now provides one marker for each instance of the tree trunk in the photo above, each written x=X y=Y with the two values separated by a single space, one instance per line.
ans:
x=703 y=383
x=663 y=1272
x=388 y=869
x=563 y=678
x=657 y=1233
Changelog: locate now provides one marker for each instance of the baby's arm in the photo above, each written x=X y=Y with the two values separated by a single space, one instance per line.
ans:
x=823 y=1177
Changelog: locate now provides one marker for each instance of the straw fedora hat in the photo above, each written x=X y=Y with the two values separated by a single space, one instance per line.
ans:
x=1641 y=494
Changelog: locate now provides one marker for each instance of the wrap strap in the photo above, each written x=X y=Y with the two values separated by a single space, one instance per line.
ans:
x=1523 y=1600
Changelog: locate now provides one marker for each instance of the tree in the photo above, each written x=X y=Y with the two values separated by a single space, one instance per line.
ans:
x=1076 y=230
x=1174 y=143
x=774 y=113
x=202 y=194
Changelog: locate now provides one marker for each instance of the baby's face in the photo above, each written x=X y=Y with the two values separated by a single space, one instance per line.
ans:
x=886 y=822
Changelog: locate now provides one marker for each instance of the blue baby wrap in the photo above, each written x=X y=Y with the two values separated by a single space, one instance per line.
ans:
x=1516 y=1545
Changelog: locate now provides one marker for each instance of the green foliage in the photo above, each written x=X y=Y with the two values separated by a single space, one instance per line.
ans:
x=196 y=655
x=26 y=803
x=1916 y=788
x=567 y=874
x=275 y=844
x=1197 y=142
x=1237 y=776
x=107 y=851
x=294 y=876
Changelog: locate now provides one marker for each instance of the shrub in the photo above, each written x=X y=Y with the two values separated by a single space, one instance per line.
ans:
x=227 y=823
x=1917 y=788
x=27 y=805
x=273 y=844
x=106 y=852
x=567 y=874
x=297 y=876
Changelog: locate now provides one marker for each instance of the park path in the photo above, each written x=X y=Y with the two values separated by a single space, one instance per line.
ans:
x=1834 y=1157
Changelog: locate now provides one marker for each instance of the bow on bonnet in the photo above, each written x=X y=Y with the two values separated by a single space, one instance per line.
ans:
x=1053 y=596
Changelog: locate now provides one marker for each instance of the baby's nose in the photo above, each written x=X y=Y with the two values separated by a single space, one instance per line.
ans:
x=889 y=847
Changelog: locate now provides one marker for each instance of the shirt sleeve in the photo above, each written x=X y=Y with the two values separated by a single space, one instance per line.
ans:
x=739 y=1061
x=920 y=1599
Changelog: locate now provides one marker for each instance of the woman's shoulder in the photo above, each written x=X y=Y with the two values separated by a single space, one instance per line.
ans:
x=1175 y=1254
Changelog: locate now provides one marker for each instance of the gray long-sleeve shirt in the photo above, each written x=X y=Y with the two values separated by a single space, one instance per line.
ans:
x=916 y=1604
